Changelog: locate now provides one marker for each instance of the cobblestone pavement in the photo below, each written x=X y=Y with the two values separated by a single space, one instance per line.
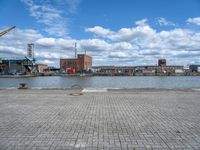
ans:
x=114 y=120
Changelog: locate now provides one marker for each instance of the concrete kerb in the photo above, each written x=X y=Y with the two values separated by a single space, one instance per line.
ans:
x=94 y=90
x=98 y=90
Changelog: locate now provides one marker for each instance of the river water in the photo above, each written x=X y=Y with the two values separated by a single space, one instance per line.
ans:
x=179 y=82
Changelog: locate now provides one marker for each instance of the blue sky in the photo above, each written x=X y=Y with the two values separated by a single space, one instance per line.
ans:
x=114 y=32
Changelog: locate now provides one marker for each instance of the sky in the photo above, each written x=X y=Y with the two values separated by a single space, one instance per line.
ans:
x=113 y=32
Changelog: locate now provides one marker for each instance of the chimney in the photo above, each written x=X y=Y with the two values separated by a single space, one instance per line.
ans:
x=75 y=49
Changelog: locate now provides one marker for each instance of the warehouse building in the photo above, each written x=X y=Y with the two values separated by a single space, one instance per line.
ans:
x=15 y=66
x=194 y=68
x=81 y=64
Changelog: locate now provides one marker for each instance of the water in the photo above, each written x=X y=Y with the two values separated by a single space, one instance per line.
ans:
x=180 y=82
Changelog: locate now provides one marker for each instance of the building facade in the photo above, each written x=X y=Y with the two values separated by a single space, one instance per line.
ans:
x=162 y=62
x=14 y=66
x=128 y=69
x=81 y=64
x=84 y=62
x=67 y=64
x=161 y=68
x=41 y=67
x=194 y=68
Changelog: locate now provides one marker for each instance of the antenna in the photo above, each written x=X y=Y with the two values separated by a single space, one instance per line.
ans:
x=75 y=49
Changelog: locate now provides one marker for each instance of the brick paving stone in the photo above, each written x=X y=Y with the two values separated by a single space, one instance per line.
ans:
x=124 y=120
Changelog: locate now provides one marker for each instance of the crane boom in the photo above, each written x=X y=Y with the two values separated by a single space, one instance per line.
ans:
x=6 y=30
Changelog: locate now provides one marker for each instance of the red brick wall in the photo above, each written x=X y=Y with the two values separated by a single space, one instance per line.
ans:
x=83 y=62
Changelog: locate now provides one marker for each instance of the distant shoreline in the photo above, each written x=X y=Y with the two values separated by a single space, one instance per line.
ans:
x=95 y=75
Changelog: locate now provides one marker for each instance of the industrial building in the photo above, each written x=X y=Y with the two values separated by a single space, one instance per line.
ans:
x=162 y=62
x=194 y=68
x=18 y=65
x=113 y=70
x=160 y=69
x=81 y=64
x=11 y=66
x=15 y=66
x=41 y=67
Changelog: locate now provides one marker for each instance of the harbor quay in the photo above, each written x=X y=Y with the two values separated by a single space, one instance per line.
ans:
x=94 y=119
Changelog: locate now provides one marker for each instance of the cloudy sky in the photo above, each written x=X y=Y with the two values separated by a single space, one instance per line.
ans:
x=113 y=32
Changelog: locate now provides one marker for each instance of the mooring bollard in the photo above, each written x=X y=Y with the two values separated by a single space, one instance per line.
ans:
x=23 y=86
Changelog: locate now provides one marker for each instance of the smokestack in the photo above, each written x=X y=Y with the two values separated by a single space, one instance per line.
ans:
x=75 y=49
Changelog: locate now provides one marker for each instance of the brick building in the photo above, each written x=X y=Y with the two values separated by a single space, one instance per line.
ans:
x=41 y=67
x=81 y=64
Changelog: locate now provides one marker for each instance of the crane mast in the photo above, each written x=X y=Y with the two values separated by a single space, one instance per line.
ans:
x=6 y=30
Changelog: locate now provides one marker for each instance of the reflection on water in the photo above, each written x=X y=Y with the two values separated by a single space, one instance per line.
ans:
x=105 y=82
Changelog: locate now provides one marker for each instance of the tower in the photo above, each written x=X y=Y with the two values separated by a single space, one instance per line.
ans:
x=30 y=50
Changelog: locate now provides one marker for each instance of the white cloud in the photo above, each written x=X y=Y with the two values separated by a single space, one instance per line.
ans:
x=11 y=51
x=142 y=22
x=195 y=21
x=136 y=45
x=163 y=22
x=94 y=45
x=99 y=31
x=131 y=34
x=46 y=42
x=73 y=4
x=46 y=61
x=177 y=45
x=119 y=55
x=124 y=34
x=124 y=46
x=49 y=13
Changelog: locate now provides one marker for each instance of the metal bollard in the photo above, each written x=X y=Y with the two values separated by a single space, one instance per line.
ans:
x=23 y=86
